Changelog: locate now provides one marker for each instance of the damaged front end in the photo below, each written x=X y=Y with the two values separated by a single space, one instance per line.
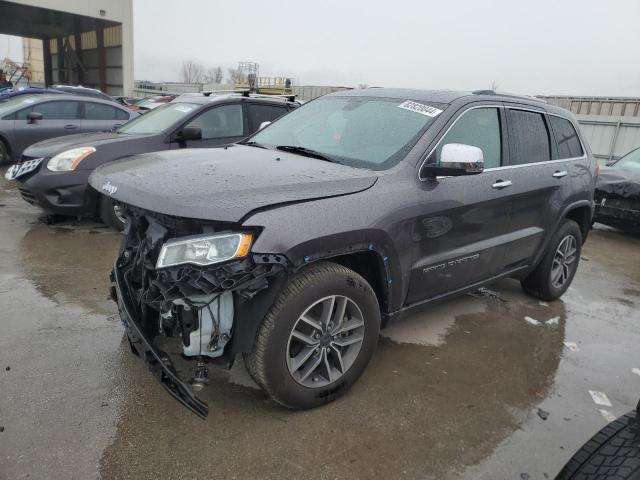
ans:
x=617 y=199
x=182 y=317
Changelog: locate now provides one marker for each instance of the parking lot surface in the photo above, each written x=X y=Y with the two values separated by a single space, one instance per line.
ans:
x=492 y=385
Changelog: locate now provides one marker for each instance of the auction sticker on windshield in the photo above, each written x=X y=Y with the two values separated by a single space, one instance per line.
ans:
x=420 y=108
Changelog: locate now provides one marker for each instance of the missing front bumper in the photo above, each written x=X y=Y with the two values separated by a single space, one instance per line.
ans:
x=159 y=363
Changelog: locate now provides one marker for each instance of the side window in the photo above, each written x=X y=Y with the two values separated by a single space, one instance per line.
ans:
x=99 y=111
x=22 y=114
x=566 y=138
x=220 y=122
x=479 y=127
x=263 y=113
x=528 y=138
x=122 y=114
x=62 y=110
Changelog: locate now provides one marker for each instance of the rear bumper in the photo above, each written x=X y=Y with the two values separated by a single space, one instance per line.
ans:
x=159 y=363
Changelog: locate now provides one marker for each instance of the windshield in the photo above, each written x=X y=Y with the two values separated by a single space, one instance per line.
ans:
x=17 y=101
x=364 y=132
x=159 y=119
x=630 y=161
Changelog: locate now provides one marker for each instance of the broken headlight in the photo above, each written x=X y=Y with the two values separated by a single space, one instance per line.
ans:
x=204 y=249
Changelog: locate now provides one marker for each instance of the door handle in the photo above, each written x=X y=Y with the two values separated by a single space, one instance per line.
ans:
x=500 y=184
x=559 y=173
x=70 y=127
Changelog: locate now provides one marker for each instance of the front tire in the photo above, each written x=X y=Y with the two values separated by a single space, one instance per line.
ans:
x=5 y=157
x=554 y=274
x=317 y=338
x=110 y=214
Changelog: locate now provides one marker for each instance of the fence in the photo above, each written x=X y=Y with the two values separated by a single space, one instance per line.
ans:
x=610 y=137
x=611 y=125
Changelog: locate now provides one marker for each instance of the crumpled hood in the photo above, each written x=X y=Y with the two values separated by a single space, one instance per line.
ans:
x=54 y=146
x=224 y=184
x=617 y=181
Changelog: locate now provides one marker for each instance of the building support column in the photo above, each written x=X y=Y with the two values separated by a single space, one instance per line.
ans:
x=102 y=60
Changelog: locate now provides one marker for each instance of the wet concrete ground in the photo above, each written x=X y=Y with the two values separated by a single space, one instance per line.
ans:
x=452 y=392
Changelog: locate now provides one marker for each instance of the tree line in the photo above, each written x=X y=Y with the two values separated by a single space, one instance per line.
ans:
x=194 y=72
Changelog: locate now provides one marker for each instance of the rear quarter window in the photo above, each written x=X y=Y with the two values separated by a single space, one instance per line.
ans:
x=566 y=138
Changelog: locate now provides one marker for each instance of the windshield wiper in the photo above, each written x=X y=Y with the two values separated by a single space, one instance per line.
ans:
x=306 y=152
x=255 y=144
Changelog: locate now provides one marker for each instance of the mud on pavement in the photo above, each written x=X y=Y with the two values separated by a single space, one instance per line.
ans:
x=454 y=391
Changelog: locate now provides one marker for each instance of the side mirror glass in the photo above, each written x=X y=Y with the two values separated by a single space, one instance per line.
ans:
x=189 y=133
x=456 y=159
x=33 y=116
x=263 y=124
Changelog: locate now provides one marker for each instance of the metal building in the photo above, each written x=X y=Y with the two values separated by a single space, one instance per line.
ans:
x=84 y=42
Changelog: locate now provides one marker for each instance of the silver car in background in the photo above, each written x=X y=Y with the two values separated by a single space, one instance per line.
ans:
x=27 y=119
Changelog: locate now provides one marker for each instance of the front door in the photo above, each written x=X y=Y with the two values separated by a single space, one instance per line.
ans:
x=460 y=231
x=59 y=117
x=220 y=125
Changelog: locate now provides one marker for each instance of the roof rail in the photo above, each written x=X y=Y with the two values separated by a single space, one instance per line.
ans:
x=513 y=95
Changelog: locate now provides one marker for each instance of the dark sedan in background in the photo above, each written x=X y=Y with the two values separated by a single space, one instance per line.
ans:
x=27 y=119
x=53 y=174
x=617 y=193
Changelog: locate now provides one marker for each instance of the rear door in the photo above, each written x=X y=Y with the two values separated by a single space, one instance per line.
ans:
x=262 y=112
x=538 y=177
x=59 y=117
x=100 y=117
x=460 y=230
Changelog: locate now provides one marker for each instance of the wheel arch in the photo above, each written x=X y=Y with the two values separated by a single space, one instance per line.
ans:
x=370 y=265
x=582 y=214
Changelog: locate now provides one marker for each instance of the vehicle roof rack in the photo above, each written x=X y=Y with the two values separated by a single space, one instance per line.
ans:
x=513 y=95
x=248 y=93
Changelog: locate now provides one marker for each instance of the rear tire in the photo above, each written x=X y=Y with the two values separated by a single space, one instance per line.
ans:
x=317 y=338
x=109 y=214
x=554 y=274
x=4 y=153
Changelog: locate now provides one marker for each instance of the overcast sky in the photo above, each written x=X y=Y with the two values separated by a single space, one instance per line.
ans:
x=587 y=47
x=579 y=47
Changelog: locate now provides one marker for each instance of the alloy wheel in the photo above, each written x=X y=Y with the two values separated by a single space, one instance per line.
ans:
x=325 y=341
x=563 y=261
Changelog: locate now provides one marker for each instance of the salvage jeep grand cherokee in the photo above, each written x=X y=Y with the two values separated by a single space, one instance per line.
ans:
x=296 y=246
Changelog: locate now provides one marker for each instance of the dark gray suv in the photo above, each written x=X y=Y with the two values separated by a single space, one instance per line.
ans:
x=297 y=245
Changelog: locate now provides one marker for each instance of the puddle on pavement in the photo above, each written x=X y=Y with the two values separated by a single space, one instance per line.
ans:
x=425 y=407
x=70 y=264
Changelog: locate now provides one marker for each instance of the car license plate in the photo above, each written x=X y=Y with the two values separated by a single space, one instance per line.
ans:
x=20 y=169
